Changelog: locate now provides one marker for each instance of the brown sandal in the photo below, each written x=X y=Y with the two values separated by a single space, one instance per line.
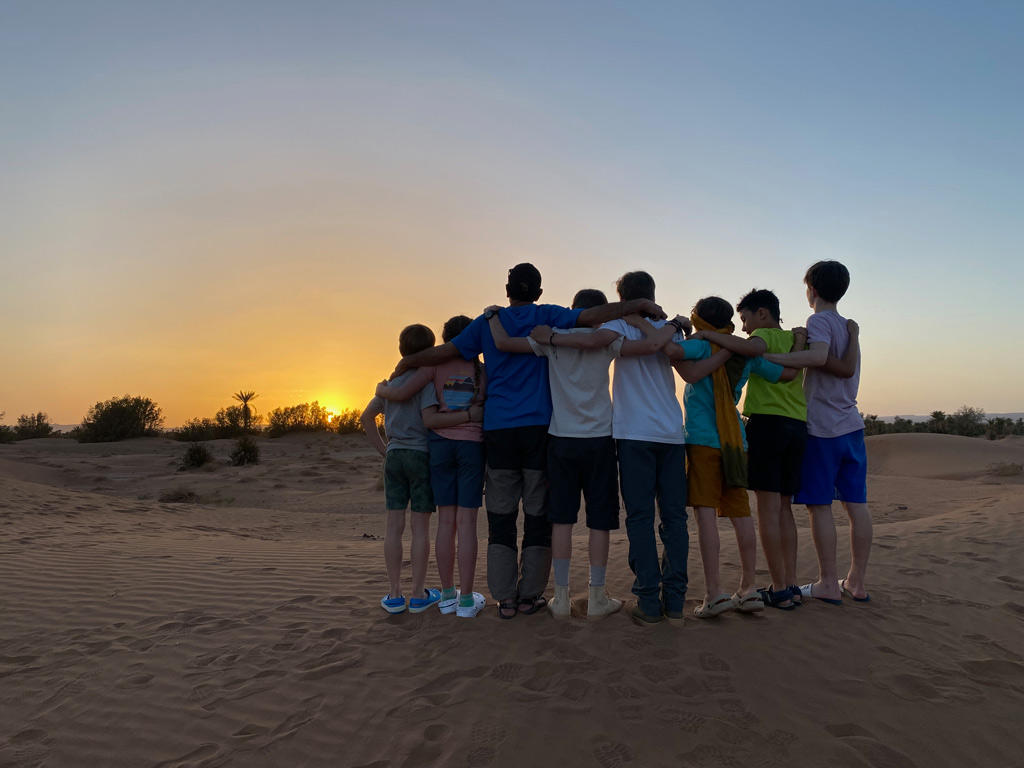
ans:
x=507 y=605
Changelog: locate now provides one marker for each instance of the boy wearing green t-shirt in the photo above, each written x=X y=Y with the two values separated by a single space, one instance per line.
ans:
x=776 y=437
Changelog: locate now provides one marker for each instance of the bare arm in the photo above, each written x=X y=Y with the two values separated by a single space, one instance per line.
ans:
x=369 y=422
x=654 y=338
x=434 y=419
x=752 y=347
x=506 y=343
x=692 y=371
x=407 y=390
x=847 y=366
x=599 y=315
x=799 y=339
x=542 y=334
x=788 y=374
x=813 y=357
x=432 y=356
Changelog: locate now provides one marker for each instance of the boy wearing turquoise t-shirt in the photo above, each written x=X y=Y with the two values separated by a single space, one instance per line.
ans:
x=715 y=458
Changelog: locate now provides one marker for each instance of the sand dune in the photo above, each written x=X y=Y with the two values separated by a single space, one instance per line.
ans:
x=244 y=630
x=942 y=456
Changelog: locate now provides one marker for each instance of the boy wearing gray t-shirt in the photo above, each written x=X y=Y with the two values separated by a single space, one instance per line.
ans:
x=835 y=460
x=406 y=479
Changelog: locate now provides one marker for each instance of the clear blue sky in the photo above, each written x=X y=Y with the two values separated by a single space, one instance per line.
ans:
x=201 y=197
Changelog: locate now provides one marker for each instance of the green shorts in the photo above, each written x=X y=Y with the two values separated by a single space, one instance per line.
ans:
x=407 y=480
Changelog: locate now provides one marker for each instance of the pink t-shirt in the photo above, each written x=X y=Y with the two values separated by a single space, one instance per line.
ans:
x=831 y=401
x=455 y=389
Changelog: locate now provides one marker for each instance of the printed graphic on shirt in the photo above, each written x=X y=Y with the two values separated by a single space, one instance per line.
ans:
x=458 y=392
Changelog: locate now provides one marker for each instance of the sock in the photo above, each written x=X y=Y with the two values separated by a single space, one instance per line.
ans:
x=561 y=571
x=597 y=575
x=466 y=601
x=448 y=593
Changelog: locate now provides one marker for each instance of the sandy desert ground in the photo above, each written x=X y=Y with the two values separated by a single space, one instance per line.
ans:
x=243 y=629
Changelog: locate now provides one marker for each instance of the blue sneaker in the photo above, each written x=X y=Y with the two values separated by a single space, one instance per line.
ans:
x=393 y=604
x=420 y=604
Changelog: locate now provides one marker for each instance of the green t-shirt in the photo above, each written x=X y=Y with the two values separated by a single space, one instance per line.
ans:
x=783 y=399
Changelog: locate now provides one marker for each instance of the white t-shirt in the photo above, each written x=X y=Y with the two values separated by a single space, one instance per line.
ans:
x=581 y=403
x=644 y=393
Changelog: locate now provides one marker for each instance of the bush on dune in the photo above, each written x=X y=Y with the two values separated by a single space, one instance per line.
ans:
x=32 y=426
x=6 y=431
x=120 y=418
x=247 y=451
x=195 y=456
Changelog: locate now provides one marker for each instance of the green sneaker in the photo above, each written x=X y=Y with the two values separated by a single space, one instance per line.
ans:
x=643 y=619
x=676 y=617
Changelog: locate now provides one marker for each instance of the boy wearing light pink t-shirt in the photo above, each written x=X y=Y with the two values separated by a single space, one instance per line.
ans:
x=835 y=460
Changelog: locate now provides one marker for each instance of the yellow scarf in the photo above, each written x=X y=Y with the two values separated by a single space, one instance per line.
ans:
x=727 y=418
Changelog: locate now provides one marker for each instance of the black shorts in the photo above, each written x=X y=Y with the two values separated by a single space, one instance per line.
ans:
x=775 y=452
x=584 y=465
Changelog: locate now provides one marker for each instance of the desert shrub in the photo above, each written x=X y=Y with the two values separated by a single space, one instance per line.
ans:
x=347 y=422
x=33 y=425
x=305 y=417
x=179 y=495
x=6 y=431
x=195 y=431
x=195 y=456
x=121 y=418
x=1006 y=469
x=246 y=451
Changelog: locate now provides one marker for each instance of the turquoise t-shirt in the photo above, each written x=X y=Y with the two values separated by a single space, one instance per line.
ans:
x=699 y=424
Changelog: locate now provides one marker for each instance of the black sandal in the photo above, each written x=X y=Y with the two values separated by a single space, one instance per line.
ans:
x=507 y=605
x=532 y=604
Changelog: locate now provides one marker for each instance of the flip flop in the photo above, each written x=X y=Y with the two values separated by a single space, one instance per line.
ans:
x=716 y=607
x=420 y=604
x=751 y=603
x=507 y=605
x=533 y=604
x=469 y=611
x=849 y=594
x=773 y=597
x=393 y=604
x=806 y=590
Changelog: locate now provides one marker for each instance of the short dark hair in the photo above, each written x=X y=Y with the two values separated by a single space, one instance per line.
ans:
x=761 y=298
x=635 y=285
x=454 y=327
x=829 y=278
x=714 y=310
x=523 y=283
x=415 y=338
x=589 y=298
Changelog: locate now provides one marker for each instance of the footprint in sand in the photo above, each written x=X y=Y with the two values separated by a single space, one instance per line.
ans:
x=613 y=755
x=508 y=672
x=711 y=663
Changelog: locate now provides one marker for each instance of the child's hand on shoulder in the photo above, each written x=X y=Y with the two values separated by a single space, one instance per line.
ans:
x=382 y=388
x=541 y=334
x=635 y=320
x=493 y=308
x=852 y=328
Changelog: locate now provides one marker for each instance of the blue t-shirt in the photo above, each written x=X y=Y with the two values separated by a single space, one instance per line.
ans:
x=700 y=425
x=517 y=385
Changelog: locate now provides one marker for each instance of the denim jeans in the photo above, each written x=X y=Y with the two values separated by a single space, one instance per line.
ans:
x=653 y=475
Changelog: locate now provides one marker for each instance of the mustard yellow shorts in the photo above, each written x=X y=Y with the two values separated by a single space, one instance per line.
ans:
x=705 y=484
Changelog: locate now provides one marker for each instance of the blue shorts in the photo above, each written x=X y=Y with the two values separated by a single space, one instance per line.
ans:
x=834 y=469
x=456 y=472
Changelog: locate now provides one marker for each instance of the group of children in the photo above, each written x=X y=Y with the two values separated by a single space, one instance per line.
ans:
x=551 y=432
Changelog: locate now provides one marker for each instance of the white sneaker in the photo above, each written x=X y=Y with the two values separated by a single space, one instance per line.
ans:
x=449 y=606
x=469 y=611
x=560 y=605
x=600 y=604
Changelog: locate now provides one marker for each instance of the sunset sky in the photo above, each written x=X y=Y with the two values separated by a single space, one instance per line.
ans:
x=199 y=198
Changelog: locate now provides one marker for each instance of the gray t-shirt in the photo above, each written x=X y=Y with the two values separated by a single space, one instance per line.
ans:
x=580 y=398
x=831 y=401
x=403 y=422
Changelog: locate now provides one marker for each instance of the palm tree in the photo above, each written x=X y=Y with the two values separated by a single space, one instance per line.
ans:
x=247 y=412
x=938 y=421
